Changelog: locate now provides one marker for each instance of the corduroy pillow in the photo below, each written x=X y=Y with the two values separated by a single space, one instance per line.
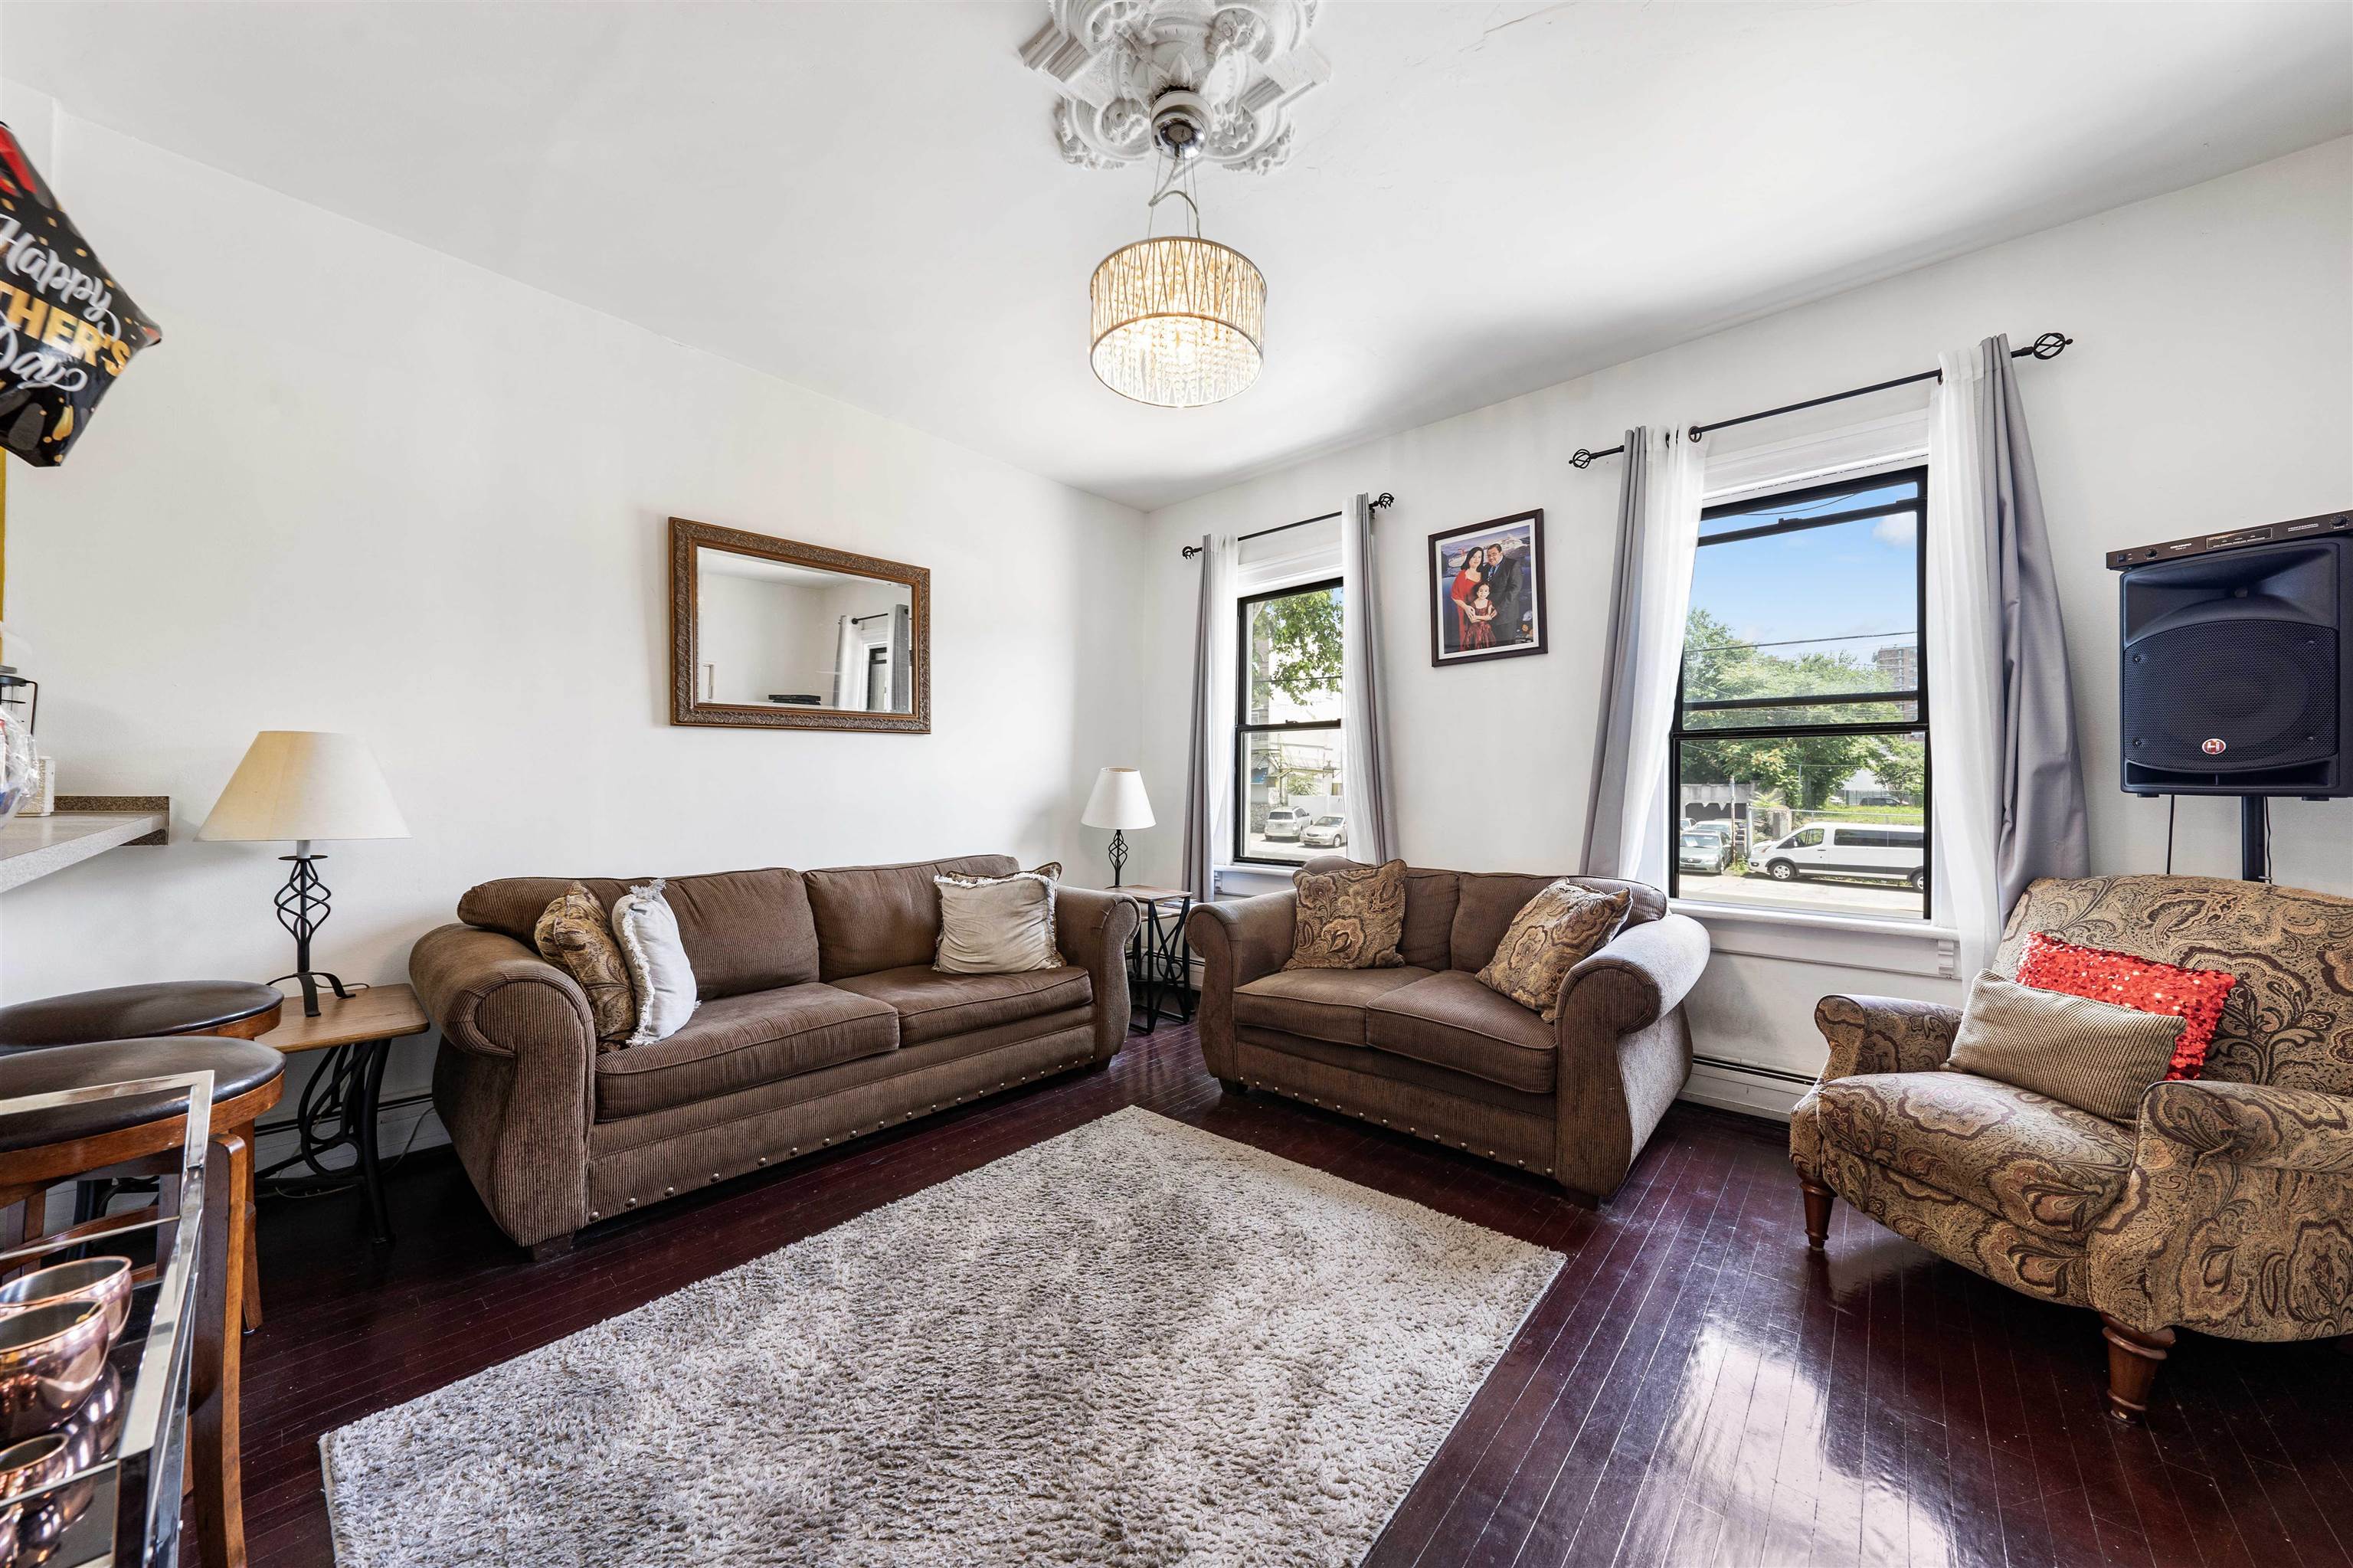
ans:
x=2195 y=996
x=1348 y=918
x=1559 y=929
x=2094 y=1056
x=573 y=935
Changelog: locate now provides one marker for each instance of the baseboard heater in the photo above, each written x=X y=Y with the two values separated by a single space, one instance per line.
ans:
x=1753 y=1088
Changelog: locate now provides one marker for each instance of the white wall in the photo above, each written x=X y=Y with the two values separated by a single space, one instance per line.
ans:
x=362 y=487
x=2210 y=385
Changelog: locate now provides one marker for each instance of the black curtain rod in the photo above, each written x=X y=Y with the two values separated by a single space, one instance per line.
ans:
x=878 y=615
x=2047 y=347
x=1189 y=551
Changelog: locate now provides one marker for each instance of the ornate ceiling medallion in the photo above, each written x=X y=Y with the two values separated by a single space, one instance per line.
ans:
x=1208 y=80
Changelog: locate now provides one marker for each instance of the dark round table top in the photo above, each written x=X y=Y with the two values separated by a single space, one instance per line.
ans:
x=122 y=1011
x=238 y=1068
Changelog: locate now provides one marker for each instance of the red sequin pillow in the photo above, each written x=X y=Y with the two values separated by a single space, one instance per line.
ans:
x=2194 y=996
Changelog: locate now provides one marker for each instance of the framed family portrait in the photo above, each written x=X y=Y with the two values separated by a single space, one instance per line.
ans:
x=1487 y=591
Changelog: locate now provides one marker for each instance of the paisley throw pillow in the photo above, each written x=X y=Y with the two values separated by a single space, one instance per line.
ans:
x=1349 y=919
x=1554 y=932
x=573 y=935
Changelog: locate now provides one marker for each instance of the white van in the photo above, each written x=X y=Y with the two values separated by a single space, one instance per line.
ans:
x=1822 y=849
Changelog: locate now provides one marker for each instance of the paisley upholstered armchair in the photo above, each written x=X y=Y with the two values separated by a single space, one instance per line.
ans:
x=2226 y=1207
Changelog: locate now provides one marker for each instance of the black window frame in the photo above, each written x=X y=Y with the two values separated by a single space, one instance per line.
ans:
x=1244 y=729
x=1918 y=694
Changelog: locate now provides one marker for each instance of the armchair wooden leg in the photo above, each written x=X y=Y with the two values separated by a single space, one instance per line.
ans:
x=1818 y=1212
x=2133 y=1359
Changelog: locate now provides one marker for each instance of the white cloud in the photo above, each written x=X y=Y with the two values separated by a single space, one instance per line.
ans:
x=1899 y=529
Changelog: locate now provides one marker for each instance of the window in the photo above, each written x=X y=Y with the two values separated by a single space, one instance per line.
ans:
x=1288 y=801
x=1802 y=722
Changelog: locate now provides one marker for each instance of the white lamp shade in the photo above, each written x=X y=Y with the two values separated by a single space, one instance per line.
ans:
x=1119 y=800
x=297 y=784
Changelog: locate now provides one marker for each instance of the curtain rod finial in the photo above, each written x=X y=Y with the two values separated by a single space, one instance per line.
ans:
x=1580 y=457
x=1189 y=551
x=2049 y=345
x=1384 y=499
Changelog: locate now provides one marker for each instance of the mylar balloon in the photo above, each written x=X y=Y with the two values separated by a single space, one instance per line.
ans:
x=66 y=331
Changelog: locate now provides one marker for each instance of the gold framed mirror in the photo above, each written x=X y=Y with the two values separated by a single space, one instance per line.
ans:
x=769 y=633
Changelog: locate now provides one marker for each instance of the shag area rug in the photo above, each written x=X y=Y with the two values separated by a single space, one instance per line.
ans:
x=1137 y=1344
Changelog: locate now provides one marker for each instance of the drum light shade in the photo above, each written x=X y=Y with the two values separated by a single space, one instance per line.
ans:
x=1176 y=322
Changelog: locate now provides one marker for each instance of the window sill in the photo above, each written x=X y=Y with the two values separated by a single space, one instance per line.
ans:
x=1245 y=881
x=1841 y=941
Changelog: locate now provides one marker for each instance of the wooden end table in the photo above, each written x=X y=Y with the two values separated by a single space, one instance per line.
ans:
x=339 y=1106
x=1159 y=957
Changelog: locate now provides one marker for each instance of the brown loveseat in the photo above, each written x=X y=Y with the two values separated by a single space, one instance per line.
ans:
x=2226 y=1205
x=820 y=1019
x=1428 y=1050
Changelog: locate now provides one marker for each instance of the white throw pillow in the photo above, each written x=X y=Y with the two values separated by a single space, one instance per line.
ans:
x=995 y=925
x=648 y=933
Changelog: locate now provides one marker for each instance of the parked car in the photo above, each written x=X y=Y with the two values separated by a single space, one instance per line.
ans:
x=1707 y=853
x=1822 y=849
x=1284 y=824
x=1324 y=832
x=1719 y=830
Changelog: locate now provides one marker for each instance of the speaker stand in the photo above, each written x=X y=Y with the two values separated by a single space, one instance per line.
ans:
x=2254 y=853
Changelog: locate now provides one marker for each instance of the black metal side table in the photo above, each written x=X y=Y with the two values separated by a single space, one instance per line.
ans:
x=1159 y=958
x=339 y=1106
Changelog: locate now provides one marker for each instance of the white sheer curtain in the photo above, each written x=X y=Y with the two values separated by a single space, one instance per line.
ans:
x=1964 y=648
x=1210 y=759
x=1627 y=832
x=1364 y=735
x=850 y=667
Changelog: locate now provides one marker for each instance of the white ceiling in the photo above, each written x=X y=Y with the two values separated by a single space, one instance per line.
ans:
x=863 y=197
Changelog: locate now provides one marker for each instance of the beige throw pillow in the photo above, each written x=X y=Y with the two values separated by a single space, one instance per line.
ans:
x=995 y=925
x=1348 y=919
x=647 y=929
x=2093 y=1055
x=573 y=935
x=1554 y=932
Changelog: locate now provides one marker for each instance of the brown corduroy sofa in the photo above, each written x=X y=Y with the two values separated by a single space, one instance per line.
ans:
x=820 y=1019
x=1427 y=1049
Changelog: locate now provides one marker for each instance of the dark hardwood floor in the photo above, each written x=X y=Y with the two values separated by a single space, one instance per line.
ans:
x=1694 y=1388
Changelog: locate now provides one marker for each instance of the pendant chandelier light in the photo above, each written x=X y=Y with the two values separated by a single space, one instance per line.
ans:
x=1177 y=321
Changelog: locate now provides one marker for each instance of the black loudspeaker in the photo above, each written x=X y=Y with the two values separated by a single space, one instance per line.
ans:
x=2238 y=672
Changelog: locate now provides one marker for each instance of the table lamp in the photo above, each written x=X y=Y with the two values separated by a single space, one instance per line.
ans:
x=299 y=786
x=1118 y=803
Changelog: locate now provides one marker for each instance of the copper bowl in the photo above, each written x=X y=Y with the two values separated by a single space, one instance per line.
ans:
x=50 y=1358
x=105 y=1280
x=33 y=1529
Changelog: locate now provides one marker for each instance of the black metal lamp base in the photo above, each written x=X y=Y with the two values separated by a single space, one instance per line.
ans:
x=1118 y=855
x=302 y=908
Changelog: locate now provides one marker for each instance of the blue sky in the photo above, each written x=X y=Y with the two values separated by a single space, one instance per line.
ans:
x=1850 y=579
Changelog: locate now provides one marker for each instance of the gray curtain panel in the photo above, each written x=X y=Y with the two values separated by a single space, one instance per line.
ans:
x=2044 y=831
x=1368 y=737
x=1199 y=752
x=1605 y=807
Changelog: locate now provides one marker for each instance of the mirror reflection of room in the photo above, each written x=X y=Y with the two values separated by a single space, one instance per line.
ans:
x=771 y=634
